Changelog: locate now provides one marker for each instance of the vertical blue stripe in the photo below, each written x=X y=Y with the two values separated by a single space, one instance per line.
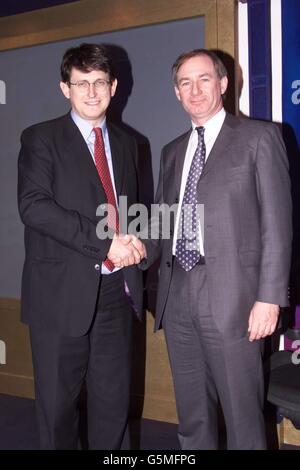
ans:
x=259 y=31
x=291 y=65
x=290 y=17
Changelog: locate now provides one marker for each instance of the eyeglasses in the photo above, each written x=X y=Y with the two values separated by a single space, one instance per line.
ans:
x=100 y=84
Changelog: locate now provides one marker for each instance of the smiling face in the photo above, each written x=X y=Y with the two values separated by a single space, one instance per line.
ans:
x=199 y=89
x=90 y=104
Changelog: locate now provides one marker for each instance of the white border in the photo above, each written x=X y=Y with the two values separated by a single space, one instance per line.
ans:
x=276 y=57
x=244 y=57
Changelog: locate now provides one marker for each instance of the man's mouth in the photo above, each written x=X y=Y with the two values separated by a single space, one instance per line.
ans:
x=198 y=101
x=92 y=103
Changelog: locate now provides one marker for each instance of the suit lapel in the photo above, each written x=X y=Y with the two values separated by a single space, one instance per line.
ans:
x=180 y=152
x=223 y=140
x=117 y=158
x=78 y=150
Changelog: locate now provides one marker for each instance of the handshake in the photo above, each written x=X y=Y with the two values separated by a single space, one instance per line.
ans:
x=126 y=250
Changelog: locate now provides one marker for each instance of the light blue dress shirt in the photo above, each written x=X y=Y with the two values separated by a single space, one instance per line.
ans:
x=86 y=130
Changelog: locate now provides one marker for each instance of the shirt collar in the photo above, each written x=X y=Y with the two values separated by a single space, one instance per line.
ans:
x=213 y=123
x=85 y=127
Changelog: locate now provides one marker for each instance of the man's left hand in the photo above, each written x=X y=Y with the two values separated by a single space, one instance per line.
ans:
x=262 y=320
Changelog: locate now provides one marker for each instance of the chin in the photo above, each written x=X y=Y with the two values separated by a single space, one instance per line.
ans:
x=92 y=115
x=199 y=110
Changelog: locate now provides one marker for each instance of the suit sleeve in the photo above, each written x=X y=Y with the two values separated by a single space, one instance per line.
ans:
x=273 y=185
x=37 y=205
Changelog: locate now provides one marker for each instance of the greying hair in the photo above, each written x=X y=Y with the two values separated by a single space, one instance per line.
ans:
x=218 y=64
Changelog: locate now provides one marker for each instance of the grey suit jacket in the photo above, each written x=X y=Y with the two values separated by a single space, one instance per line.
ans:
x=245 y=189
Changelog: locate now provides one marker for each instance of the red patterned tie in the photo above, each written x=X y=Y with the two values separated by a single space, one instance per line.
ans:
x=104 y=174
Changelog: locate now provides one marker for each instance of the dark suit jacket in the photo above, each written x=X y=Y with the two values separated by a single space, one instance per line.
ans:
x=59 y=191
x=245 y=190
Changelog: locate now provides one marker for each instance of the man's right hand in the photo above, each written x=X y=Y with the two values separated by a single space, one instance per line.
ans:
x=126 y=250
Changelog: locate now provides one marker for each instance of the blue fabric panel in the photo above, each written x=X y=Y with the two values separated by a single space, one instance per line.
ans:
x=259 y=28
x=291 y=127
x=291 y=65
x=14 y=7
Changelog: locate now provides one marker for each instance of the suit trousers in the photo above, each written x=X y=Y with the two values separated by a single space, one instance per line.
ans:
x=207 y=367
x=101 y=358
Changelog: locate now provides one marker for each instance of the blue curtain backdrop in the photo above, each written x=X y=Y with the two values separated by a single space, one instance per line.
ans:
x=291 y=65
x=259 y=43
x=291 y=124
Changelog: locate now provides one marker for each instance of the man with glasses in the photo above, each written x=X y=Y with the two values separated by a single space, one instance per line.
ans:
x=78 y=305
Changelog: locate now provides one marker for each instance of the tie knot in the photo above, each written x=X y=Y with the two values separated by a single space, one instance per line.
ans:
x=98 y=132
x=200 y=130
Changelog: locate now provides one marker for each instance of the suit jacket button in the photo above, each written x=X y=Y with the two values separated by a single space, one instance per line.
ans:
x=97 y=267
x=168 y=264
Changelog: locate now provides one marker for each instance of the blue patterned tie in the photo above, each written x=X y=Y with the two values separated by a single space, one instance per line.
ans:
x=187 y=244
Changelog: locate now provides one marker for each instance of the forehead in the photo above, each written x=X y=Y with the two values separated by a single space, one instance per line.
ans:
x=94 y=74
x=197 y=65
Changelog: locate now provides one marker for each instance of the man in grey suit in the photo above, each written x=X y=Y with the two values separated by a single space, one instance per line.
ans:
x=220 y=288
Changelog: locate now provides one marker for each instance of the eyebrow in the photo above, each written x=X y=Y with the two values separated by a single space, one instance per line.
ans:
x=198 y=76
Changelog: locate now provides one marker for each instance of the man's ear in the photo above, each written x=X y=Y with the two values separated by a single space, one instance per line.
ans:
x=224 y=85
x=177 y=93
x=65 y=89
x=114 y=87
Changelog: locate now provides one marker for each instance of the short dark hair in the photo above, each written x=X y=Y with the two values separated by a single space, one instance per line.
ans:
x=86 y=58
x=218 y=64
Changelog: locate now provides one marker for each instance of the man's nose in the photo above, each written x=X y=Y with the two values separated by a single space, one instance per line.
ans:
x=196 y=88
x=92 y=89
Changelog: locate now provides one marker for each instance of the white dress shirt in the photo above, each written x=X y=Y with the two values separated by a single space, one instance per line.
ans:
x=212 y=130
